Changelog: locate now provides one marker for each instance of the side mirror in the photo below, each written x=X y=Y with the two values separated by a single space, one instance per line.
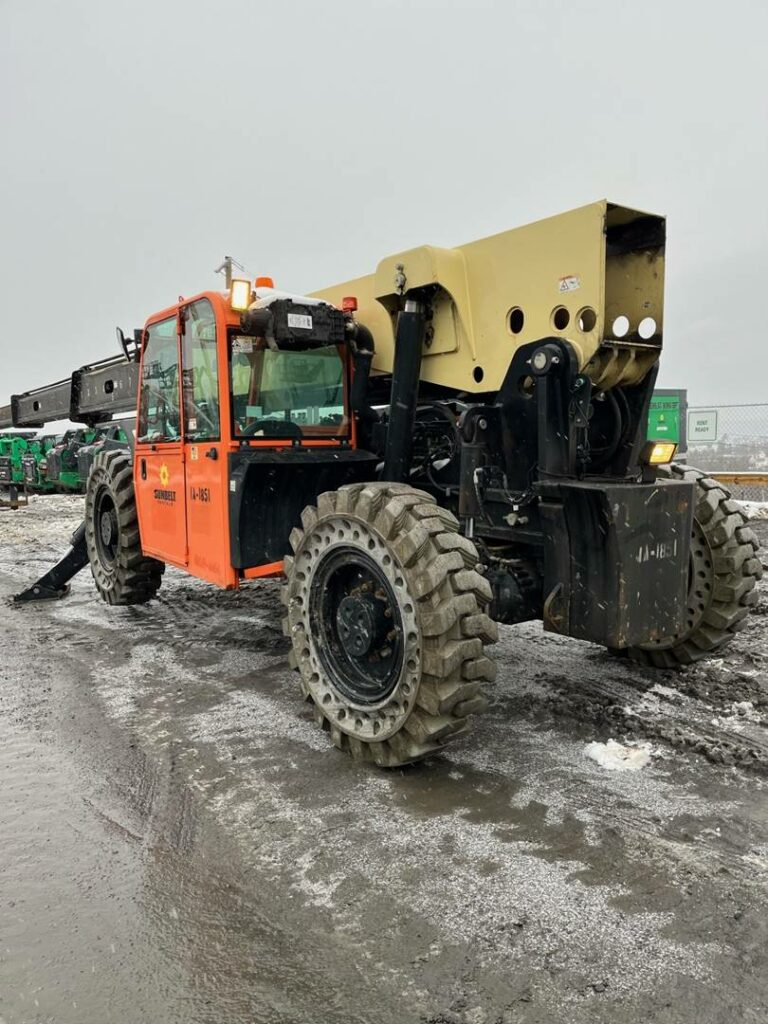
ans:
x=122 y=342
x=131 y=349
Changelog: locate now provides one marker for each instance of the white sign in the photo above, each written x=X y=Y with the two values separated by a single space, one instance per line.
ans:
x=702 y=425
x=569 y=284
x=300 y=320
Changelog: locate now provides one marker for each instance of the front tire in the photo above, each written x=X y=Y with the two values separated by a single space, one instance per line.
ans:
x=387 y=617
x=123 y=575
x=724 y=571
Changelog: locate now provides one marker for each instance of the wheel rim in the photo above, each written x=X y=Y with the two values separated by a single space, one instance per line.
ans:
x=107 y=531
x=354 y=613
x=367 y=720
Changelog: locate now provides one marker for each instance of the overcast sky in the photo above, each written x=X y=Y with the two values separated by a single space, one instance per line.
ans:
x=142 y=141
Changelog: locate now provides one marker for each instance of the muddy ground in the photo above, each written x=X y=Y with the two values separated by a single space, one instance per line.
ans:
x=178 y=842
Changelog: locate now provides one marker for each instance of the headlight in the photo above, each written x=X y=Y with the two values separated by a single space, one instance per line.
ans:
x=240 y=294
x=658 y=453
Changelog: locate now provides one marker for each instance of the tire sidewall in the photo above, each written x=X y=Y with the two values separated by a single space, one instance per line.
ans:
x=368 y=722
x=105 y=575
x=720 y=588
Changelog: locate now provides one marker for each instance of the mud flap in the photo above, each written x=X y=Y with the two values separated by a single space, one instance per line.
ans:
x=616 y=559
x=55 y=583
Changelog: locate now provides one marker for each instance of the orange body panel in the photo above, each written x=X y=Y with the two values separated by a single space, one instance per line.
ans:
x=158 y=474
x=182 y=487
x=263 y=571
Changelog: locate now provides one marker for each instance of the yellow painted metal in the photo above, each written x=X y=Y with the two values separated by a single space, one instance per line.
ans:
x=559 y=273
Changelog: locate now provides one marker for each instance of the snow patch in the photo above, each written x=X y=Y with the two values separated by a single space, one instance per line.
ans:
x=742 y=711
x=616 y=757
x=755 y=509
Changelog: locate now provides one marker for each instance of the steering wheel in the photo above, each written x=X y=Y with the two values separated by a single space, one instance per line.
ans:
x=201 y=412
x=166 y=414
x=273 y=428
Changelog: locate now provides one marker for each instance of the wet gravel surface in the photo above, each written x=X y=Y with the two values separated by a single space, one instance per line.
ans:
x=180 y=844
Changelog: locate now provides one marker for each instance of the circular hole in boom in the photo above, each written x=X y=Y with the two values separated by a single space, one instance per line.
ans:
x=515 y=320
x=478 y=373
x=586 y=319
x=560 y=318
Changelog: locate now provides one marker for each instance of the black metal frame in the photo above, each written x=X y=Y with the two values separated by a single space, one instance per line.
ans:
x=93 y=394
x=549 y=483
x=270 y=487
x=13 y=494
x=55 y=583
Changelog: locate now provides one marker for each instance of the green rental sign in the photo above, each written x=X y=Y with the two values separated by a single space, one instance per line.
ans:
x=664 y=418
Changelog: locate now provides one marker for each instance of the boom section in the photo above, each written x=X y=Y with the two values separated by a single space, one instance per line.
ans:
x=592 y=277
x=94 y=393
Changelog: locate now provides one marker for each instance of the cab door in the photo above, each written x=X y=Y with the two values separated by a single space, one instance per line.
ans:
x=159 y=453
x=205 y=457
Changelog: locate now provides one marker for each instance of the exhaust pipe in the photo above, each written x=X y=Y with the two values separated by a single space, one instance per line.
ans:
x=409 y=339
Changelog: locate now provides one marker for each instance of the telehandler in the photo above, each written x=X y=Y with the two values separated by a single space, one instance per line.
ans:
x=456 y=440
x=13 y=448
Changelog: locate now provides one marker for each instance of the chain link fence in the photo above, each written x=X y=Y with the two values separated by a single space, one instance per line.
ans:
x=732 y=439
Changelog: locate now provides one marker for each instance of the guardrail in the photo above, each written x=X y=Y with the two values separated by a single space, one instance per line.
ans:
x=745 y=486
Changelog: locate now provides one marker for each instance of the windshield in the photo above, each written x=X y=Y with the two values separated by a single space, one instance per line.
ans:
x=289 y=394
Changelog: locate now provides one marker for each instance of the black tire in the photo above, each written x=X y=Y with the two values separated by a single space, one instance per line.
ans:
x=725 y=569
x=387 y=554
x=123 y=575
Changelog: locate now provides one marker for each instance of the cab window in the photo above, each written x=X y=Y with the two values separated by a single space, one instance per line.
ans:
x=200 y=375
x=287 y=393
x=159 y=418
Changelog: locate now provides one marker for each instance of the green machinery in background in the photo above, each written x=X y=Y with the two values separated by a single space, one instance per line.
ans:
x=34 y=465
x=53 y=462
x=87 y=452
x=61 y=469
x=12 y=450
x=68 y=463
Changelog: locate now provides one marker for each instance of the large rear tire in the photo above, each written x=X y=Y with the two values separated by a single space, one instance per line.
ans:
x=387 y=617
x=724 y=571
x=123 y=575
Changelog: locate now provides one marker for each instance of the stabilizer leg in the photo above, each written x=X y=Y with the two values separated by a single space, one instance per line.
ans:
x=55 y=583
